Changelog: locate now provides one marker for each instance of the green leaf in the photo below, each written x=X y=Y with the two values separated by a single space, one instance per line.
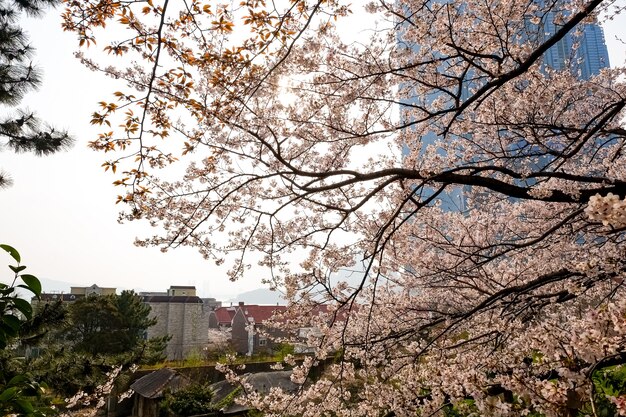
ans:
x=24 y=307
x=17 y=379
x=7 y=291
x=25 y=405
x=17 y=269
x=9 y=331
x=12 y=321
x=12 y=251
x=8 y=393
x=33 y=283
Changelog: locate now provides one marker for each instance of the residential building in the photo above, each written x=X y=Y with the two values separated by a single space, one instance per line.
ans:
x=246 y=322
x=222 y=317
x=92 y=290
x=249 y=333
x=74 y=294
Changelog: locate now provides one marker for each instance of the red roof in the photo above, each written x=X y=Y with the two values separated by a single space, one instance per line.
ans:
x=225 y=315
x=261 y=313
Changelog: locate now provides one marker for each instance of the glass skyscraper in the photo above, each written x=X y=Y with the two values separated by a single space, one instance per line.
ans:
x=586 y=60
x=583 y=50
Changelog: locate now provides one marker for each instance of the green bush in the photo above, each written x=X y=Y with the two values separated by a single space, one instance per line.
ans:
x=283 y=349
x=20 y=393
x=189 y=401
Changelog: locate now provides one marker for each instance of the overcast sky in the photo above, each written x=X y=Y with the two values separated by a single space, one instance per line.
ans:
x=60 y=213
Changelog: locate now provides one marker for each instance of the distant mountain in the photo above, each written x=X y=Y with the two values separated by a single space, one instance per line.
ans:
x=54 y=286
x=51 y=285
x=258 y=296
x=352 y=276
x=47 y=286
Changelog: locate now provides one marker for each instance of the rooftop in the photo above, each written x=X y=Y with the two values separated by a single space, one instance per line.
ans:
x=153 y=384
x=184 y=299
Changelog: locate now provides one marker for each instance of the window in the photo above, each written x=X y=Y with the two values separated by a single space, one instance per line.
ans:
x=262 y=341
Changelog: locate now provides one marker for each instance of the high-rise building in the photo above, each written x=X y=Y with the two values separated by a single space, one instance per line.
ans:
x=583 y=50
x=587 y=59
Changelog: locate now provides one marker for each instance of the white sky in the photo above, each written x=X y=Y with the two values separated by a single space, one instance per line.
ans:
x=60 y=213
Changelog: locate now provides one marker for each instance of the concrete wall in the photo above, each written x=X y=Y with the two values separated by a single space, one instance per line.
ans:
x=186 y=323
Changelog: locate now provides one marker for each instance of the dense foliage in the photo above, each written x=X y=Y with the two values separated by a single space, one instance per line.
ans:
x=20 y=129
x=101 y=333
x=111 y=324
x=78 y=349
x=192 y=400
x=481 y=190
x=20 y=393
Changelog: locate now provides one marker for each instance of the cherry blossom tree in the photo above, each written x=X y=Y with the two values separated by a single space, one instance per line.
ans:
x=306 y=154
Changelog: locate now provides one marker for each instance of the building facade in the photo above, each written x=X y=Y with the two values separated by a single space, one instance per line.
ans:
x=75 y=293
x=179 y=312
x=584 y=60
x=184 y=318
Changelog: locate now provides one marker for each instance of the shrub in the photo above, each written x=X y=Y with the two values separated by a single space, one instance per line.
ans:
x=189 y=401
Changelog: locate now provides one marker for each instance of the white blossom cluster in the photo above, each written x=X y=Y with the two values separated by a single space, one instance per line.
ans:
x=620 y=404
x=446 y=179
x=96 y=400
x=610 y=210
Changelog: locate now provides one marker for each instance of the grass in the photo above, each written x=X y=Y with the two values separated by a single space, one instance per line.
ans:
x=196 y=359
